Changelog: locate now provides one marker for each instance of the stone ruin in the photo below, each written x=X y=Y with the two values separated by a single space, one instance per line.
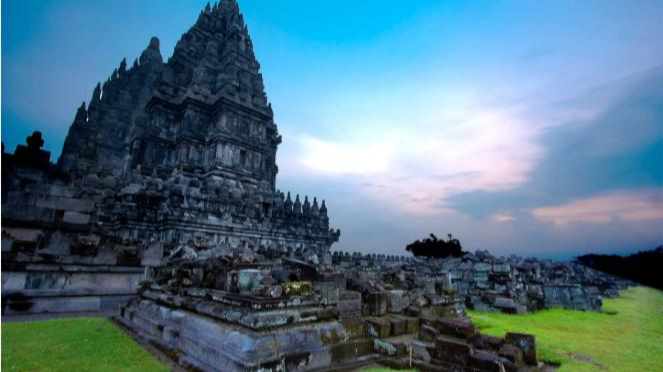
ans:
x=164 y=205
x=283 y=312
x=166 y=156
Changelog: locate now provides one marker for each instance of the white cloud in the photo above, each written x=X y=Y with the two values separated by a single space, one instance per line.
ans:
x=437 y=153
x=641 y=205
x=339 y=158
x=502 y=217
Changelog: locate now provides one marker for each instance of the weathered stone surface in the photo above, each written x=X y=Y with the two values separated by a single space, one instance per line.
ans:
x=485 y=342
x=455 y=328
x=349 y=304
x=377 y=303
x=526 y=343
x=398 y=301
x=390 y=347
x=452 y=351
x=420 y=351
x=428 y=333
x=248 y=280
x=483 y=361
x=513 y=353
x=411 y=323
x=216 y=346
x=174 y=158
x=378 y=327
x=398 y=326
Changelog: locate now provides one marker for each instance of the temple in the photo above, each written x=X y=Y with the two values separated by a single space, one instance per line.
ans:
x=166 y=156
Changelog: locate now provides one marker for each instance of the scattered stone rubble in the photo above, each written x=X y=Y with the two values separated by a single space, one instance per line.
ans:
x=512 y=285
x=284 y=312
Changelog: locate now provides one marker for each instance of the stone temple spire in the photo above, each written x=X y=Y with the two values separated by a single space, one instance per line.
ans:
x=152 y=54
x=288 y=204
x=315 y=210
x=123 y=66
x=297 y=208
x=306 y=207
x=81 y=114
x=96 y=94
x=217 y=60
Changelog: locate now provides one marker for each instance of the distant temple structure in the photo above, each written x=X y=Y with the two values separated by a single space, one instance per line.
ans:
x=167 y=157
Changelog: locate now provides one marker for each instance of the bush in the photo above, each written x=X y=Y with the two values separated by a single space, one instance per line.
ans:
x=436 y=248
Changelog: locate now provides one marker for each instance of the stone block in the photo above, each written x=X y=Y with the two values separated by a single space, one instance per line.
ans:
x=483 y=361
x=476 y=303
x=481 y=267
x=398 y=301
x=6 y=244
x=428 y=333
x=58 y=190
x=66 y=204
x=76 y=218
x=550 y=293
x=270 y=291
x=152 y=255
x=248 y=279
x=349 y=304
x=327 y=259
x=454 y=328
x=398 y=326
x=340 y=281
x=411 y=323
x=24 y=235
x=452 y=351
x=377 y=303
x=420 y=351
x=330 y=295
x=526 y=343
x=377 y=327
x=501 y=267
x=506 y=305
x=462 y=288
x=512 y=353
x=13 y=281
x=390 y=347
x=354 y=349
x=485 y=342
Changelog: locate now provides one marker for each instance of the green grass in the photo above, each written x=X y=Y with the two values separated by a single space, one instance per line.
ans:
x=629 y=340
x=74 y=344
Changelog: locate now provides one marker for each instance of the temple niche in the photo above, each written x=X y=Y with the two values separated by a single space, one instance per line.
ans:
x=165 y=156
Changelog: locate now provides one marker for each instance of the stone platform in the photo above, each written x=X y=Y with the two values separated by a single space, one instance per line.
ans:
x=210 y=336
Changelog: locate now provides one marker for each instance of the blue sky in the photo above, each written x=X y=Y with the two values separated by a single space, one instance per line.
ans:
x=527 y=127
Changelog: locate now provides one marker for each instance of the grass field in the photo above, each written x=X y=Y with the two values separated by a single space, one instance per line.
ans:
x=74 y=344
x=629 y=340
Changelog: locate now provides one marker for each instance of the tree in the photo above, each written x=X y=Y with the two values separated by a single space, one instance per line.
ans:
x=433 y=247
